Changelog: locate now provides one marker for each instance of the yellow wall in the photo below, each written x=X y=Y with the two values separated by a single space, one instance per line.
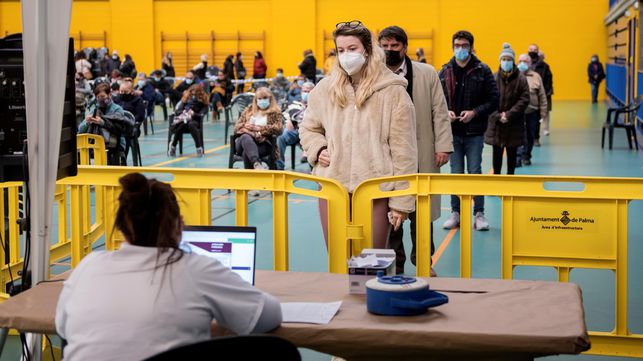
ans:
x=568 y=31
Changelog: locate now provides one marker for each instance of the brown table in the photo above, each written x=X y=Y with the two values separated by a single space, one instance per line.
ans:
x=484 y=319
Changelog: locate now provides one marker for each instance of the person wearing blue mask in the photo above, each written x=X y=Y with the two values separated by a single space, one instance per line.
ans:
x=256 y=127
x=190 y=78
x=294 y=116
x=294 y=93
x=536 y=110
x=506 y=130
x=472 y=95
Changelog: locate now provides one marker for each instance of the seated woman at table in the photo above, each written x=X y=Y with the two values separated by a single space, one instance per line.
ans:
x=150 y=296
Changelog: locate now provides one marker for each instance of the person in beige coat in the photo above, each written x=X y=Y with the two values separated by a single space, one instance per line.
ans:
x=360 y=124
x=434 y=136
x=536 y=110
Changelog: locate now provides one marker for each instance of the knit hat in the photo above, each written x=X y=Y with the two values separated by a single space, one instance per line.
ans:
x=507 y=51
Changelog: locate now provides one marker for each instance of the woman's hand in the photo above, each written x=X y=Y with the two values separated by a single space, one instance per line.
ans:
x=397 y=218
x=324 y=158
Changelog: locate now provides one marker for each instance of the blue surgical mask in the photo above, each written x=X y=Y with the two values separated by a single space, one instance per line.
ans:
x=189 y=81
x=523 y=67
x=506 y=65
x=300 y=82
x=280 y=75
x=141 y=83
x=263 y=104
x=304 y=97
x=461 y=54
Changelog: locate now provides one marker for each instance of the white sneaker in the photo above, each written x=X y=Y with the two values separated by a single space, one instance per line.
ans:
x=546 y=132
x=453 y=221
x=259 y=166
x=480 y=222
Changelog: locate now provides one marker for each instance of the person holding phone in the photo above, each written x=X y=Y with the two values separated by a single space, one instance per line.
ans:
x=472 y=95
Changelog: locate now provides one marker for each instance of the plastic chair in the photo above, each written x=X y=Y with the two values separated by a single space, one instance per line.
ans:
x=132 y=141
x=630 y=111
x=149 y=115
x=240 y=102
x=234 y=348
x=269 y=158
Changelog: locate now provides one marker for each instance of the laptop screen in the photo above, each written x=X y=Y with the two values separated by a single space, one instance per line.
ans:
x=234 y=247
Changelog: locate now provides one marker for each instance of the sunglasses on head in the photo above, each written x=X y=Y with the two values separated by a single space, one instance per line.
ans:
x=350 y=24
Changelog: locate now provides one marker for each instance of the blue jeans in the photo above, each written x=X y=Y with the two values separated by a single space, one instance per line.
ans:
x=288 y=137
x=469 y=147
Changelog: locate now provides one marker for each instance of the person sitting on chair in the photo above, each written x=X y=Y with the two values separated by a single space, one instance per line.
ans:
x=131 y=102
x=256 y=127
x=151 y=295
x=294 y=115
x=109 y=120
x=188 y=118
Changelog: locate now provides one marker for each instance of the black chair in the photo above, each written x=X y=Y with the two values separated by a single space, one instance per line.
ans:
x=630 y=112
x=269 y=158
x=132 y=141
x=293 y=149
x=250 y=347
x=149 y=115
x=199 y=118
x=240 y=102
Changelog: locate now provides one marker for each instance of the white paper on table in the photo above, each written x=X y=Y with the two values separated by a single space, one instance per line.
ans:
x=309 y=312
x=369 y=261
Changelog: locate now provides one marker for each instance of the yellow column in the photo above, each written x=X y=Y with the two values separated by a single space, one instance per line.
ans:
x=289 y=38
x=133 y=31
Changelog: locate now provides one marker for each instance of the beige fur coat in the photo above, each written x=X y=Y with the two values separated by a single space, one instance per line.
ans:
x=376 y=140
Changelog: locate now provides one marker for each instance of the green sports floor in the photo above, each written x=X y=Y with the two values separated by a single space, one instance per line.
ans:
x=572 y=149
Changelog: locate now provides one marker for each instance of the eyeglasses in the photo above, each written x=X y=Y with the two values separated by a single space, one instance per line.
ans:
x=351 y=24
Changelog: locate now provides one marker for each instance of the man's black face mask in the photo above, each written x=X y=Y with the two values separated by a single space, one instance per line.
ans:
x=393 y=57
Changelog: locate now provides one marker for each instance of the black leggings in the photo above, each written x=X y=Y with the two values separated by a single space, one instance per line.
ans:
x=512 y=153
x=248 y=147
x=191 y=127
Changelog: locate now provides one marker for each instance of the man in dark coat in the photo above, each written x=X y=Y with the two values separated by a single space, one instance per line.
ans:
x=596 y=74
x=308 y=66
x=472 y=95
x=539 y=65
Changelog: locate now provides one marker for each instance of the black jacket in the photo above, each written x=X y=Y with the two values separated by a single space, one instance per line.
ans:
x=308 y=67
x=480 y=94
x=228 y=69
x=543 y=70
x=241 y=70
x=595 y=72
x=133 y=104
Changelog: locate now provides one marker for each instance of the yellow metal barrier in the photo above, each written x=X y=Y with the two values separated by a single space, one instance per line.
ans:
x=557 y=228
x=10 y=192
x=193 y=188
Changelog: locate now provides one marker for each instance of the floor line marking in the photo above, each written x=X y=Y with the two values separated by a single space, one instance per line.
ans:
x=209 y=151
x=443 y=246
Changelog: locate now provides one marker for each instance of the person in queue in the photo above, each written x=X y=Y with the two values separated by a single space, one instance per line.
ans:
x=506 y=130
x=151 y=287
x=434 y=137
x=360 y=124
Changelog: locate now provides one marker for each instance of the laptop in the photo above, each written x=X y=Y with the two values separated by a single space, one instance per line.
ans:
x=235 y=247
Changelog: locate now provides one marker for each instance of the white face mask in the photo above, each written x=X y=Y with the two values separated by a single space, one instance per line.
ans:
x=351 y=62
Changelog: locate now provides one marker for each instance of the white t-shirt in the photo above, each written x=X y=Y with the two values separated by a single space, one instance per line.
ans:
x=113 y=307
x=259 y=120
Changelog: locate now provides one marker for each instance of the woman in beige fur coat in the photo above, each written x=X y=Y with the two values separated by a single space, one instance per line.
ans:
x=360 y=124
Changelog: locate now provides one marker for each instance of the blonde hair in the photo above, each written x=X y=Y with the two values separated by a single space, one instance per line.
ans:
x=263 y=91
x=371 y=71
